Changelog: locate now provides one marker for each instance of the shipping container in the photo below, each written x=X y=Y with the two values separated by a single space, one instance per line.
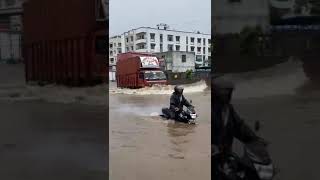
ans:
x=137 y=70
x=65 y=42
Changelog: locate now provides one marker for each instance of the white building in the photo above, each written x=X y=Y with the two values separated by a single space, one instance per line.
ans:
x=231 y=16
x=163 y=39
x=11 y=29
x=116 y=46
x=178 y=61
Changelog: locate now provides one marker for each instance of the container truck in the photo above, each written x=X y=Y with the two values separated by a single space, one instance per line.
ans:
x=65 y=42
x=138 y=70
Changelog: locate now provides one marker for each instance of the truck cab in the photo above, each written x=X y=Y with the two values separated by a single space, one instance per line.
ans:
x=151 y=77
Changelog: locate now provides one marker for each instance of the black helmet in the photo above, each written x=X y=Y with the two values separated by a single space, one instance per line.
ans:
x=178 y=89
x=222 y=90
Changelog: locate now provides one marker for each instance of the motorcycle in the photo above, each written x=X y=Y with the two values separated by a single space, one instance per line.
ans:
x=187 y=115
x=255 y=163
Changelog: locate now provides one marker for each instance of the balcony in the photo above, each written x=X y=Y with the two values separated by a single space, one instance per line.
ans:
x=139 y=41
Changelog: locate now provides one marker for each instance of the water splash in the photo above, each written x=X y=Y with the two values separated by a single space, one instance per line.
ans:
x=161 y=90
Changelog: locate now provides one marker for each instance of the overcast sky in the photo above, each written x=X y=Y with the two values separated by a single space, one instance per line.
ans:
x=187 y=15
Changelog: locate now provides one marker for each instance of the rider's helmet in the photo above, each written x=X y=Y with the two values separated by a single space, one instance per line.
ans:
x=178 y=90
x=222 y=90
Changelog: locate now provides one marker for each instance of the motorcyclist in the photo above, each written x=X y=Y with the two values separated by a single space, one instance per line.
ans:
x=227 y=124
x=177 y=101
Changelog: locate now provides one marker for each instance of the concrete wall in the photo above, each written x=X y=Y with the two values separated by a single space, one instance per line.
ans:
x=173 y=61
x=231 y=17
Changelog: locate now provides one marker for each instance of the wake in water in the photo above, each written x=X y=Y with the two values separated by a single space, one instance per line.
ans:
x=157 y=89
x=282 y=79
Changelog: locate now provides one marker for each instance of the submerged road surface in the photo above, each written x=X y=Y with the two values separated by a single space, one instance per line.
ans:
x=143 y=146
x=287 y=105
x=42 y=140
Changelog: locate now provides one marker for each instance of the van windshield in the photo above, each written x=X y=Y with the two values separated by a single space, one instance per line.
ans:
x=154 y=75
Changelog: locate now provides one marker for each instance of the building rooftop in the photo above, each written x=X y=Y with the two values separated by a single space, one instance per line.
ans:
x=168 y=30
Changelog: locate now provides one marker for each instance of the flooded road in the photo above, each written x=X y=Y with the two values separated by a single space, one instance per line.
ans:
x=287 y=105
x=143 y=146
x=51 y=132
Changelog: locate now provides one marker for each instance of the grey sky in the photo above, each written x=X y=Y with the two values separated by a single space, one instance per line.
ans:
x=188 y=15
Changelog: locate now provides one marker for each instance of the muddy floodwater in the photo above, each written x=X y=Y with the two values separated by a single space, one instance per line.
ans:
x=51 y=132
x=143 y=146
x=287 y=104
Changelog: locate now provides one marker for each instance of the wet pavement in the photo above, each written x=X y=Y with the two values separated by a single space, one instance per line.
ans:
x=144 y=146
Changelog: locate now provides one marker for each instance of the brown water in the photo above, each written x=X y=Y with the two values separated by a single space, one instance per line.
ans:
x=41 y=140
x=287 y=105
x=143 y=146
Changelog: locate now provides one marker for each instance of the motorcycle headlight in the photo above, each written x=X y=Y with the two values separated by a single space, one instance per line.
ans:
x=193 y=116
x=265 y=172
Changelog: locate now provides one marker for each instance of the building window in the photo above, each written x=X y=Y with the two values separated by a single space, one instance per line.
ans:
x=127 y=39
x=192 y=48
x=204 y=41
x=192 y=40
x=140 y=36
x=199 y=49
x=161 y=38
x=127 y=49
x=209 y=50
x=10 y=2
x=184 y=58
x=187 y=39
x=131 y=48
x=161 y=48
x=170 y=47
x=187 y=48
x=199 y=58
x=177 y=38
x=141 y=46
x=131 y=38
x=204 y=50
x=199 y=40
x=119 y=50
x=153 y=46
x=177 y=48
x=111 y=53
x=112 y=60
x=170 y=38
x=152 y=36
x=119 y=44
x=111 y=45
x=209 y=41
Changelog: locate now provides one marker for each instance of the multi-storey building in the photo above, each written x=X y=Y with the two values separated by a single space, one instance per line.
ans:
x=11 y=29
x=163 y=39
x=116 y=46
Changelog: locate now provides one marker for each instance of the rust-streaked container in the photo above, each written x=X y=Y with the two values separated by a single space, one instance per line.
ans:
x=133 y=70
x=65 y=42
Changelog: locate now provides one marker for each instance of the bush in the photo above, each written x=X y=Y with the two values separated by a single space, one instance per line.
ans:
x=189 y=74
